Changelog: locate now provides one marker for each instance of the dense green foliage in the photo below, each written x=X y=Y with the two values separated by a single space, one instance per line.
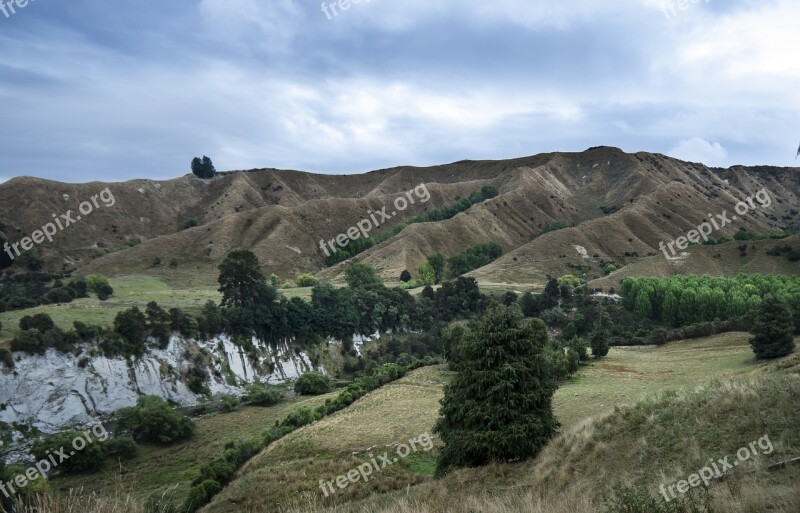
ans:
x=499 y=405
x=473 y=258
x=683 y=300
x=773 y=329
x=27 y=290
x=88 y=458
x=262 y=395
x=203 y=168
x=359 y=275
x=354 y=247
x=241 y=282
x=153 y=420
x=312 y=383
x=304 y=280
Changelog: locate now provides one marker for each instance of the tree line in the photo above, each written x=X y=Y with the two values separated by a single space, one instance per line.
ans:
x=683 y=300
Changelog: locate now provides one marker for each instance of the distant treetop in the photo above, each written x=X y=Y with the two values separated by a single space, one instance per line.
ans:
x=203 y=168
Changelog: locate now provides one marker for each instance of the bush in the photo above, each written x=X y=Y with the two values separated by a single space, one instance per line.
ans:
x=7 y=357
x=312 y=383
x=29 y=341
x=152 y=420
x=405 y=276
x=89 y=458
x=40 y=321
x=200 y=495
x=104 y=292
x=300 y=417
x=95 y=281
x=262 y=395
x=123 y=447
x=306 y=280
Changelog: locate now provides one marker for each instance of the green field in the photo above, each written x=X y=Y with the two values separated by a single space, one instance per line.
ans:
x=129 y=291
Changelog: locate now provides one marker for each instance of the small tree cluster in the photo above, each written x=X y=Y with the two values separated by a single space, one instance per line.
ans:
x=312 y=383
x=203 y=168
x=153 y=420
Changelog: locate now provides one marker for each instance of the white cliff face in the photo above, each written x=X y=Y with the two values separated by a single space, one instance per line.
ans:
x=51 y=392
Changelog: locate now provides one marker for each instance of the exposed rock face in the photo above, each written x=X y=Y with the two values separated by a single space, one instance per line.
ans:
x=52 y=392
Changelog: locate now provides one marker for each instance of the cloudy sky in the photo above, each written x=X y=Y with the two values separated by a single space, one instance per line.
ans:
x=116 y=90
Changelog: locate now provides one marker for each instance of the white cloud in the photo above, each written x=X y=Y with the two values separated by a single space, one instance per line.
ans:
x=270 y=25
x=698 y=149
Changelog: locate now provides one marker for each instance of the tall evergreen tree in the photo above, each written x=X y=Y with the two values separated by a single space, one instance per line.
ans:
x=241 y=281
x=773 y=329
x=499 y=405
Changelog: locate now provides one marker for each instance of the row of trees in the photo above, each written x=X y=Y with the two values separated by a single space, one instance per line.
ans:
x=683 y=300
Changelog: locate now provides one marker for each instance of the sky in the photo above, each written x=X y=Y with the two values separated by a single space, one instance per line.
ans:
x=116 y=90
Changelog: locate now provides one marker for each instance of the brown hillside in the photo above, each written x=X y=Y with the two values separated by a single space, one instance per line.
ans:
x=619 y=206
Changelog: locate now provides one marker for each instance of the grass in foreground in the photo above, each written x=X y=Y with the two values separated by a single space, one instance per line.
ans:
x=158 y=468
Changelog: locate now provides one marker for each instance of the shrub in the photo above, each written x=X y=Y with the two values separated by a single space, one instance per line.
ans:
x=88 y=458
x=312 y=383
x=152 y=420
x=28 y=341
x=7 y=357
x=200 y=495
x=405 y=276
x=262 y=395
x=123 y=447
x=173 y=263
x=306 y=280
x=104 y=292
x=300 y=417
x=228 y=402
x=40 y=321
x=95 y=281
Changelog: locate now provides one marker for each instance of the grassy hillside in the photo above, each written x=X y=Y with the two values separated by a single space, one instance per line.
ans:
x=641 y=446
x=290 y=470
x=161 y=469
